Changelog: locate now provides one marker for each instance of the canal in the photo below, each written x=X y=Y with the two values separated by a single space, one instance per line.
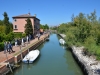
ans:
x=53 y=60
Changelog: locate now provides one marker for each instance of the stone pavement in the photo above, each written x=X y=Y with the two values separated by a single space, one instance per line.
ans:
x=16 y=49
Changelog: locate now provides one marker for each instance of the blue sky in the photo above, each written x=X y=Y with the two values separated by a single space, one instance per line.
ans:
x=51 y=12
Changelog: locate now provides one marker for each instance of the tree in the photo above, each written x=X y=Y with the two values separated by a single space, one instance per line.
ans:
x=11 y=27
x=99 y=20
x=28 y=27
x=41 y=26
x=1 y=22
x=46 y=26
x=6 y=23
x=2 y=29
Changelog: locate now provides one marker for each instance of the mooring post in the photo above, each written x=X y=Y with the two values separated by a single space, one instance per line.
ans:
x=16 y=61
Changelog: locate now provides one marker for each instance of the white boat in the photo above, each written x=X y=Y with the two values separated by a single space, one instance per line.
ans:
x=31 y=56
x=62 y=41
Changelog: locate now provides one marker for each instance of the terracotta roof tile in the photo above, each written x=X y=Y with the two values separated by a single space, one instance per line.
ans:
x=25 y=16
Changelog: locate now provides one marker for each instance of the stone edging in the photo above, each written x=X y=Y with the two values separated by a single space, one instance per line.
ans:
x=86 y=63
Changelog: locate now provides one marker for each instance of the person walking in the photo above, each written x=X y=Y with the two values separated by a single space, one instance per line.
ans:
x=15 y=42
x=38 y=36
x=10 y=47
x=22 y=42
x=7 y=47
x=27 y=39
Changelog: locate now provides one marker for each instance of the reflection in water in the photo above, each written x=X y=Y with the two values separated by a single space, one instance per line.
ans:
x=64 y=47
x=54 y=59
x=72 y=65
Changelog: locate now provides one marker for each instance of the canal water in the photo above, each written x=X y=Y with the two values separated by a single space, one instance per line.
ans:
x=54 y=59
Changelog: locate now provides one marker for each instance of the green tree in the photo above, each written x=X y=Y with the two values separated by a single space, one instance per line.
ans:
x=2 y=29
x=46 y=26
x=1 y=22
x=11 y=26
x=6 y=23
x=41 y=26
x=28 y=27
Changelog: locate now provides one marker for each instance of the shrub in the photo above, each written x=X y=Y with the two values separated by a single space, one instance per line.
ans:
x=1 y=46
x=23 y=35
x=18 y=35
x=2 y=37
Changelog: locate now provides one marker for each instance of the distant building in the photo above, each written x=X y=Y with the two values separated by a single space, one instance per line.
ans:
x=20 y=21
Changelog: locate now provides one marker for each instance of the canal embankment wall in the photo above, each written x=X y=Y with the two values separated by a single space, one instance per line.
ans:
x=80 y=62
x=62 y=35
x=88 y=64
x=17 y=57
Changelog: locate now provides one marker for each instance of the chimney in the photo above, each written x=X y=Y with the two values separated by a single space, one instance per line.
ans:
x=34 y=15
x=29 y=13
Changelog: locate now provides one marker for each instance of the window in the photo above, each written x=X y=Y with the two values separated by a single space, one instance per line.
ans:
x=35 y=26
x=34 y=20
x=15 y=27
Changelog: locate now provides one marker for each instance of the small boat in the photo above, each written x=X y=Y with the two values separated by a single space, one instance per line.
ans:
x=62 y=41
x=47 y=39
x=31 y=56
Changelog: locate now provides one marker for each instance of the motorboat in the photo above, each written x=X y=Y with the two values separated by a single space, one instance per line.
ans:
x=31 y=56
x=62 y=41
x=47 y=39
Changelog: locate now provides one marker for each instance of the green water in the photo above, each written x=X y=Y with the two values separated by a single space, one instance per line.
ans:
x=53 y=60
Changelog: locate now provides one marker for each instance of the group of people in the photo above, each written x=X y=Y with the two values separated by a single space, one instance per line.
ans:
x=22 y=41
x=18 y=42
x=8 y=47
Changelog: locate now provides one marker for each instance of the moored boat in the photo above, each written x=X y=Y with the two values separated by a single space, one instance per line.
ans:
x=62 y=41
x=31 y=56
x=47 y=39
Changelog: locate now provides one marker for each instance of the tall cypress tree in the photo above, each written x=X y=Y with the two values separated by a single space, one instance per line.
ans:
x=28 y=27
x=6 y=23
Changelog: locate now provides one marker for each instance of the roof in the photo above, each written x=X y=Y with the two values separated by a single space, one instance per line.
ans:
x=25 y=16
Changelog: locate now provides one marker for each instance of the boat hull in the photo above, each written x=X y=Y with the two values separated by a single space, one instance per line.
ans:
x=61 y=41
x=28 y=62
x=31 y=56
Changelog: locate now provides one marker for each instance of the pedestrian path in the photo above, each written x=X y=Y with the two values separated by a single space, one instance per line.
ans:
x=3 y=57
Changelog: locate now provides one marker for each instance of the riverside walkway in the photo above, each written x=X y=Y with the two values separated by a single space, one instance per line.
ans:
x=3 y=57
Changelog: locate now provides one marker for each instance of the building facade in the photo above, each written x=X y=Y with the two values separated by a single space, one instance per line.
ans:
x=20 y=21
